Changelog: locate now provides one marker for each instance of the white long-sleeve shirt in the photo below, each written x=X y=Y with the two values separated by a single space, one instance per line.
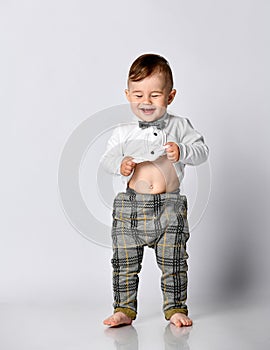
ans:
x=148 y=144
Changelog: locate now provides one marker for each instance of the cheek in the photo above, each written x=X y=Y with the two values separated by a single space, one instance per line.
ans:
x=162 y=102
x=134 y=105
x=134 y=109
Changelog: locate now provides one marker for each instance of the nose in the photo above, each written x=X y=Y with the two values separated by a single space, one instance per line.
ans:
x=147 y=100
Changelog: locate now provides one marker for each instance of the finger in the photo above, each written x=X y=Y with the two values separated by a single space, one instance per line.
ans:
x=171 y=154
x=170 y=151
x=171 y=157
x=131 y=167
x=126 y=160
x=132 y=164
x=128 y=168
x=127 y=171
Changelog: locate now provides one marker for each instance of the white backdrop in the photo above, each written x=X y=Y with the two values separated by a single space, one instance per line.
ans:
x=63 y=61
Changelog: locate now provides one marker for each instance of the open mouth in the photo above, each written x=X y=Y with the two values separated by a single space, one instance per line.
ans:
x=148 y=110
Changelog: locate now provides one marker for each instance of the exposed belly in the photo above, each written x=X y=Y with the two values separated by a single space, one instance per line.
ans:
x=154 y=177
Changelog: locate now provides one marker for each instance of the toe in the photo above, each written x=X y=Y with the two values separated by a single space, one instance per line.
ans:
x=177 y=323
x=109 y=321
x=188 y=323
x=184 y=322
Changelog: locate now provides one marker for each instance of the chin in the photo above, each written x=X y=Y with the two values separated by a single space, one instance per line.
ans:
x=148 y=118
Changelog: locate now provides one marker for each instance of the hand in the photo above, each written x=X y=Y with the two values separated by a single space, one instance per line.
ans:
x=127 y=166
x=172 y=151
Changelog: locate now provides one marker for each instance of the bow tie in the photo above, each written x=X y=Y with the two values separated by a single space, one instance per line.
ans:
x=159 y=124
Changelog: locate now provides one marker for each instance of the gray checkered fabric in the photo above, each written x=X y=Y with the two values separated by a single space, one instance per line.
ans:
x=158 y=221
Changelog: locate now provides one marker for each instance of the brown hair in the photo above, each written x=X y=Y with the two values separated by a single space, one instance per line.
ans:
x=147 y=64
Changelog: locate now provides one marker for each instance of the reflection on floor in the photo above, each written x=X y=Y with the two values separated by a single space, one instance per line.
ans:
x=79 y=327
x=126 y=338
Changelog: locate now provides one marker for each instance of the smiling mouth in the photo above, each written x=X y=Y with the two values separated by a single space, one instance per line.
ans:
x=148 y=110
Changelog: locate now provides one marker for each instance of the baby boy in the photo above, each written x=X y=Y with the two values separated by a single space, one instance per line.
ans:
x=150 y=153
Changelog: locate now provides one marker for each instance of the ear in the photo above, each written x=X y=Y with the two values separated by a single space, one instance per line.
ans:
x=171 y=96
x=127 y=94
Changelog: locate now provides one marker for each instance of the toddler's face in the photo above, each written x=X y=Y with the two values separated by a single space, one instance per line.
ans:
x=150 y=97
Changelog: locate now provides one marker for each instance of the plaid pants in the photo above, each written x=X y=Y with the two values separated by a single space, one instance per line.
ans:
x=158 y=221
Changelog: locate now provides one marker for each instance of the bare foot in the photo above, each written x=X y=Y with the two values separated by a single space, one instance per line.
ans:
x=181 y=320
x=117 y=319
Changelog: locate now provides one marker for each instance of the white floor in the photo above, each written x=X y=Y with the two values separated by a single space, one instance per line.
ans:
x=79 y=327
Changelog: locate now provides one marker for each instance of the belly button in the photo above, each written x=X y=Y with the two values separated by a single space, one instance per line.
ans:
x=151 y=187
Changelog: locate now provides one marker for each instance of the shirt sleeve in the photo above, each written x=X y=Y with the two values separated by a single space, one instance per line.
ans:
x=113 y=156
x=193 y=150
